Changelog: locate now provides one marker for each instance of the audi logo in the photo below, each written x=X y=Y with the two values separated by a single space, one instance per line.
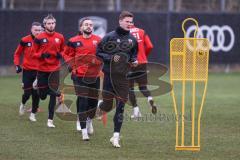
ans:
x=221 y=38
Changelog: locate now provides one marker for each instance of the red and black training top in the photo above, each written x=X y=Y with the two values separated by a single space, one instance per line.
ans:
x=80 y=53
x=51 y=43
x=145 y=45
x=25 y=48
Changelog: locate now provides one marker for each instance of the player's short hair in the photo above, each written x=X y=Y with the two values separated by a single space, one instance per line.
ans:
x=49 y=16
x=36 y=24
x=82 y=20
x=125 y=14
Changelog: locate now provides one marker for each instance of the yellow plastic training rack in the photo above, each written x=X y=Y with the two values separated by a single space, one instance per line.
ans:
x=189 y=59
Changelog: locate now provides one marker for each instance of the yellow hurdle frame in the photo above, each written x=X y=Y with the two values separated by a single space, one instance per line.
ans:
x=189 y=59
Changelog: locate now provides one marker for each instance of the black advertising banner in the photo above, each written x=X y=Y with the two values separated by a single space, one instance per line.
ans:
x=222 y=30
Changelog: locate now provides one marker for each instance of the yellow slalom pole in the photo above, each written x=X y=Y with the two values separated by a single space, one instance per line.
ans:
x=175 y=109
x=200 y=112
x=194 y=71
x=193 y=93
x=174 y=98
x=183 y=104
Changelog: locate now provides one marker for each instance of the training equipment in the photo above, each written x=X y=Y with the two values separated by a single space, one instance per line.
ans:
x=189 y=58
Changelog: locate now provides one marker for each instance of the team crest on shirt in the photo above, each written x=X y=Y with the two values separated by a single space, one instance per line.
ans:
x=57 y=40
x=77 y=44
x=94 y=42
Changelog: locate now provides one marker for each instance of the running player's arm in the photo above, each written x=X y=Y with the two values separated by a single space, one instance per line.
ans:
x=106 y=57
x=18 y=52
x=69 y=54
x=134 y=51
x=36 y=48
x=62 y=46
x=148 y=44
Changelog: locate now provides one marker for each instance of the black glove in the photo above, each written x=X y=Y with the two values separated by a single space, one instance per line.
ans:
x=45 y=55
x=18 y=69
x=58 y=56
x=69 y=68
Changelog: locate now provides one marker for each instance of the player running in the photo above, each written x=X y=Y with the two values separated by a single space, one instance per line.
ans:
x=80 y=53
x=47 y=48
x=139 y=74
x=29 y=70
x=118 y=49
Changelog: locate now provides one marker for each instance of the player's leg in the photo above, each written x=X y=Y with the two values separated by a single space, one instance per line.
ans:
x=81 y=89
x=35 y=105
x=82 y=103
x=118 y=121
x=43 y=91
x=78 y=126
x=74 y=79
x=136 y=75
x=142 y=83
x=53 y=84
x=100 y=99
x=81 y=110
x=92 y=104
x=107 y=94
x=35 y=98
x=27 y=87
x=42 y=84
x=144 y=90
x=132 y=98
x=35 y=101
x=107 y=105
x=121 y=89
x=51 y=106
x=118 y=117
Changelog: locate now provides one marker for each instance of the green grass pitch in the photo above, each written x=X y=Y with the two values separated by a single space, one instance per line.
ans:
x=147 y=139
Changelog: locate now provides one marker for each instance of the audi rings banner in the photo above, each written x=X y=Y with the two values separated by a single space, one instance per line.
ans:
x=222 y=30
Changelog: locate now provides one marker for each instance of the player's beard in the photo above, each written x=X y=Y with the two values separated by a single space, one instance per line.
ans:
x=50 y=30
x=87 y=32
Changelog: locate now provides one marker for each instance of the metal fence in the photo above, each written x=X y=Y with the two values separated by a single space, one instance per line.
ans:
x=117 y=5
